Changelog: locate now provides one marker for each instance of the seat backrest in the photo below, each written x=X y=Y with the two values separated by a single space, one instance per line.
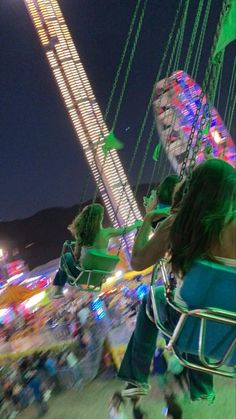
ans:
x=96 y=260
x=209 y=285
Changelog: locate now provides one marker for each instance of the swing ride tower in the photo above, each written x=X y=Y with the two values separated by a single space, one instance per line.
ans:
x=84 y=110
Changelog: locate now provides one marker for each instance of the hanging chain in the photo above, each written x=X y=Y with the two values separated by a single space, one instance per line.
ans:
x=204 y=119
x=102 y=168
x=172 y=66
x=177 y=40
x=193 y=36
x=137 y=35
x=230 y=119
x=122 y=60
x=207 y=114
x=209 y=82
x=152 y=95
x=219 y=88
x=115 y=83
x=153 y=175
x=190 y=140
x=177 y=47
x=200 y=41
x=231 y=91
x=156 y=79
x=150 y=104
x=138 y=31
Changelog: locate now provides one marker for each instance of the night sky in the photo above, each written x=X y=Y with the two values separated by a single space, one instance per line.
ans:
x=42 y=164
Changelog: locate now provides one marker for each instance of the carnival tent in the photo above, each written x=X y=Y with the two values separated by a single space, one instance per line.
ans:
x=16 y=294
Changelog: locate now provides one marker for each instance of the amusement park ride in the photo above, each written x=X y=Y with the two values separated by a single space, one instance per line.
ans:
x=175 y=102
x=175 y=108
x=179 y=105
x=84 y=110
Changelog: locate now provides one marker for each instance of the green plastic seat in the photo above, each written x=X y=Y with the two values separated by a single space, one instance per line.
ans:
x=97 y=266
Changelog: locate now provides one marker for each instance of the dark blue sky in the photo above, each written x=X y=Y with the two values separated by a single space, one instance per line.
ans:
x=42 y=164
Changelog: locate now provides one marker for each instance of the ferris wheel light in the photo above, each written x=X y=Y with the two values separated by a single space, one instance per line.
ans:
x=216 y=136
x=119 y=274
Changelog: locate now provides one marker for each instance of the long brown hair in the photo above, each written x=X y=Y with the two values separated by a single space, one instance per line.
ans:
x=208 y=206
x=86 y=224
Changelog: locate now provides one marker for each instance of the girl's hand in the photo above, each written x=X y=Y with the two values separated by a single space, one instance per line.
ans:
x=138 y=223
x=150 y=202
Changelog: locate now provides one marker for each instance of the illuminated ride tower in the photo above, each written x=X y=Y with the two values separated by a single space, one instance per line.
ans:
x=84 y=110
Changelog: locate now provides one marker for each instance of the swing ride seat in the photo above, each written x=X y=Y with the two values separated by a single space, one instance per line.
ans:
x=207 y=326
x=90 y=276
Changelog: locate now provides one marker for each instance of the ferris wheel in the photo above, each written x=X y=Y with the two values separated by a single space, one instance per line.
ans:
x=175 y=102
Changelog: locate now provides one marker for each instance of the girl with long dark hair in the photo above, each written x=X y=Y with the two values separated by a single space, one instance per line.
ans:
x=200 y=233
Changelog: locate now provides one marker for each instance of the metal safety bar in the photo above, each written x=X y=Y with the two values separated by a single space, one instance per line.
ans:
x=86 y=275
x=211 y=314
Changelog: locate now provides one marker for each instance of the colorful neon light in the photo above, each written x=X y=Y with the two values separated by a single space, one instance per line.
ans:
x=175 y=103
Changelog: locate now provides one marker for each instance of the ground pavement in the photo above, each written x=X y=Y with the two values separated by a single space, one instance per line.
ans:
x=91 y=403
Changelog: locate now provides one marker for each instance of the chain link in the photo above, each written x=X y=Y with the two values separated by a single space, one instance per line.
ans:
x=209 y=85
x=123 y=55
x=130 y=62
x=190 y=140
x=151 y=99
x=200 y=41
x=194 y=33
x=108 y=107
x=198 y=144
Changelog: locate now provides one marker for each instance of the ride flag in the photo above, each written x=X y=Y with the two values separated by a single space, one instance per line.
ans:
x=228 y=29
x=111 y=143
x=156 y=153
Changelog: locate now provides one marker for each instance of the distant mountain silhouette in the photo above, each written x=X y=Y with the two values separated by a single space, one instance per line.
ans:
x=39 y=238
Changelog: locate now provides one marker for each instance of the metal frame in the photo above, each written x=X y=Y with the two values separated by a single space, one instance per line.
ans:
x=217 y=315
x=75 y=281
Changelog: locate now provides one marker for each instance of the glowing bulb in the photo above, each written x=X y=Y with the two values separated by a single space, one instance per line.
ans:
x=111 y=279
x=119 y=274
x=3 y=311
x=14 y=277
x=35 y=299
x=216 y=136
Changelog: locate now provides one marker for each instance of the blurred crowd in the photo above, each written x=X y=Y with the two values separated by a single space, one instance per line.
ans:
x=68 y=320
x=32 y=379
